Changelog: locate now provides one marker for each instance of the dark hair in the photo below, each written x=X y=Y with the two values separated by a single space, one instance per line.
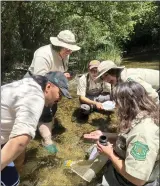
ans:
x=57 y=48
x=114 y=72
x=132 y=99
x=41 y=80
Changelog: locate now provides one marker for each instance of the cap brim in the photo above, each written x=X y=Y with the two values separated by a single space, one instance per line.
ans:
x=94 y=66
x=97 y=79
x=65 y=93
x=56 y=42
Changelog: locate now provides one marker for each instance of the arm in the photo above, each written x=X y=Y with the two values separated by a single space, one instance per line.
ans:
x=41 y=65
x=150 y=90
x=119 y=164
x=68 y=75
x=148 y=87
x=88 y=101
x=13 y=148
x=28 y=110
x=81 y=92
x=96 y=134
x=142 y=149
x=120 y=167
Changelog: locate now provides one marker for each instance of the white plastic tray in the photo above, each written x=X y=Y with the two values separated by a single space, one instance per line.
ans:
x=108 y=105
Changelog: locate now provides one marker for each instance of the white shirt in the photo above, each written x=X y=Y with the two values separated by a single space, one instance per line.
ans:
x=46 y=59
x=148 y=75
x=22 y=103
x=148 y=78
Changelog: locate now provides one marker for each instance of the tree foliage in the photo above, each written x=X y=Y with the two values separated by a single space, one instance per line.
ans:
x=101 y=28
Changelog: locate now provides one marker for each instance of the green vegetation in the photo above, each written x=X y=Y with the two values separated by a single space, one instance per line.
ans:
x=103 y=29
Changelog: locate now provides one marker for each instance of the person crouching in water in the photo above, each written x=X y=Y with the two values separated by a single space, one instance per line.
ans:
x=22 y=103
x=92 y=94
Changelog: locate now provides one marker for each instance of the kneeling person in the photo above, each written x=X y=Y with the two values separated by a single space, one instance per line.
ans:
x=92 y=94
x=22 y=103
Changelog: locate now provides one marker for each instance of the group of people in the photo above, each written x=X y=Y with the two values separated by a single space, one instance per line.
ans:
x=95 y=87
x=32 y=102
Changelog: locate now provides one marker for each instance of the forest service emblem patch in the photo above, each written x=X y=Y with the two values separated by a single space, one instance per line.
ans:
x=139 y=151
x=130 y=79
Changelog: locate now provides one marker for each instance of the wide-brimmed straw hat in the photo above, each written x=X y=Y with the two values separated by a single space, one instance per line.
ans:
x=107 y=65
x=65 y=39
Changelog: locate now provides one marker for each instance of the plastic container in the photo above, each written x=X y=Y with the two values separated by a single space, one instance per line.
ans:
x=88 y=169
x=93 y=154
x=109 y=105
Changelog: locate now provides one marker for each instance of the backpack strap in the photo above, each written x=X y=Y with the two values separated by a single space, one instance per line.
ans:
x=87 y=82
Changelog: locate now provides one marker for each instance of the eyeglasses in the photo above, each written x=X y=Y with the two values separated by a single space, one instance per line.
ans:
x=60 y=93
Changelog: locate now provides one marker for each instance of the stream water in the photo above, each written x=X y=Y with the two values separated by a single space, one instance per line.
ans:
x=43 y=169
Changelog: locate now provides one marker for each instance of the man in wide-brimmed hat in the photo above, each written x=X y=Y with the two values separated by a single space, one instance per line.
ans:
x=52 y=57
x=111 y=73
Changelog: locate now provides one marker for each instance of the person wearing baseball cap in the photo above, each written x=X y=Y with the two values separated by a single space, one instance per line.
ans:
x=58 y=79
x=22 y=103
x=53 y=57
x=109 y=72
x=91 y=94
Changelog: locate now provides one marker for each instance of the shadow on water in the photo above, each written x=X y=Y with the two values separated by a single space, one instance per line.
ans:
x=31 y=153
x=78 y=117
x=50 y=161
x=101 y=123
x=58 y=128
x=32 y=170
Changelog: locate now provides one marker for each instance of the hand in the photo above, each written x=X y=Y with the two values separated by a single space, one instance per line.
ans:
x=68 y=76
x=108 y=150
x=99 y=106
x=93 y=135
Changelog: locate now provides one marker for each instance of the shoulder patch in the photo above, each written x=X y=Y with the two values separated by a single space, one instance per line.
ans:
x=130 y=79
x=139 y=151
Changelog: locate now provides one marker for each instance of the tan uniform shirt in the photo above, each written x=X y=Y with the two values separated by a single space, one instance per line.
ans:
x=148 y=78
x=141 y=148
x=46 y=59
x=94 y=88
